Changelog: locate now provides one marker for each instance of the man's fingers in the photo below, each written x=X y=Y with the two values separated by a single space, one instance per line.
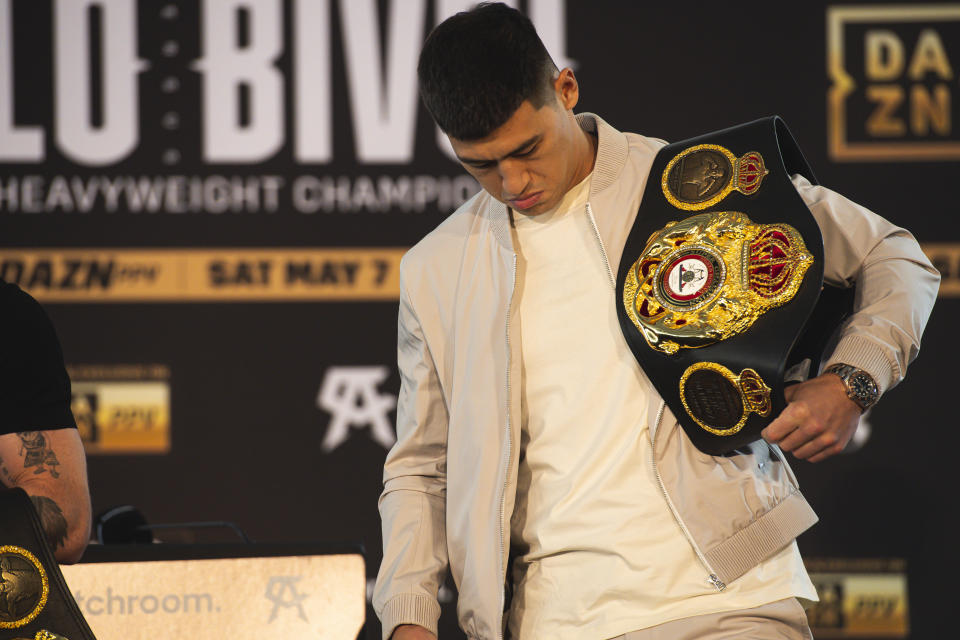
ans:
x=789 y=391
x=786 y=424
x=825 y=453
x=815 y=446
x=811 y=434
x=796 y=430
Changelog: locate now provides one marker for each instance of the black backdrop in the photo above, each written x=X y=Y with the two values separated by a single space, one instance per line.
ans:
x=136 y=138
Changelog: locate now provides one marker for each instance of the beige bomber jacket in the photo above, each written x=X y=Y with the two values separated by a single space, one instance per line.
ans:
x=450 y=480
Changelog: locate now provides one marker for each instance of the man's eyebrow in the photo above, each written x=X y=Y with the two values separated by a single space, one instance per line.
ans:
x=520 y=147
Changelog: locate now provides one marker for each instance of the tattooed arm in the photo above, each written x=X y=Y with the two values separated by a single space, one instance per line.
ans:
x=50 y=466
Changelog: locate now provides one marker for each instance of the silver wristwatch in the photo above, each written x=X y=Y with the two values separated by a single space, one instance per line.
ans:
x=861 y=387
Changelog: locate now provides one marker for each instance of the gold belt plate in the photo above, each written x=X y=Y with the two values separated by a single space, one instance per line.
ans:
x=708 y=277
x=703 y=175
x=719 y=400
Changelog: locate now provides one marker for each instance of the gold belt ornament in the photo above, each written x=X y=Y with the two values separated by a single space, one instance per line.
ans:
x=705 y=174
x=24 y=587
x=720 y=401
x=710 y=276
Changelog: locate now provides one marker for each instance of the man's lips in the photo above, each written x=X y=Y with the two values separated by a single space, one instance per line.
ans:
x=526 y=202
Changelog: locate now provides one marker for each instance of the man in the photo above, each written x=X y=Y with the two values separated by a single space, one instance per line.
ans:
x=40 y=449
x=533 y=456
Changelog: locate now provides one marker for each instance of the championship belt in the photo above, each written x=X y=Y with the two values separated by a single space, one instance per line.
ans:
x=35 y=602
x=719 y=281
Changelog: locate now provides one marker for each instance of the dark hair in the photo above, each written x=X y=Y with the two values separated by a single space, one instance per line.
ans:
x=477 y=67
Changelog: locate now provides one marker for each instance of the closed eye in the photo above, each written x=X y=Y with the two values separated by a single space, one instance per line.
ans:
x=481 y=165
x=528 y=152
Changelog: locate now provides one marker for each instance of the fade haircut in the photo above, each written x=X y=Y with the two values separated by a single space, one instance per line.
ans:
x=477 y=67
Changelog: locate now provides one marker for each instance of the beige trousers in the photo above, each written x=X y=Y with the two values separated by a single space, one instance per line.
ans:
x=780 y=620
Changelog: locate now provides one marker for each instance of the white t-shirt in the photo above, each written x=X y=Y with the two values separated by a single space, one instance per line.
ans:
x=600 y=552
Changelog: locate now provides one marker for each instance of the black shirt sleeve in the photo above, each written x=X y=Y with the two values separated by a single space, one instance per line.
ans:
x=34 y=385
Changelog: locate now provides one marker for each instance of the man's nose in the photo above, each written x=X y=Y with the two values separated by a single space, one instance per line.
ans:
x=513 y=178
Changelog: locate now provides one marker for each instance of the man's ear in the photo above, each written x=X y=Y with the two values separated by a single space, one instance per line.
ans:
x=567 y=89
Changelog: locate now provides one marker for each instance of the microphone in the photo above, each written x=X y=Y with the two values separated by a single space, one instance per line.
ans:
x=125 y=524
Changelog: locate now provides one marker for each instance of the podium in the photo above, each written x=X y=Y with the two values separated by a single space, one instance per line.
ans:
x=236 y=591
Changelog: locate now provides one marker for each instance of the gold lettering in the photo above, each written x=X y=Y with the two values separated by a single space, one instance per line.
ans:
x=929 y=56
x=927 y=111
x=884 y=55
x=883 y=121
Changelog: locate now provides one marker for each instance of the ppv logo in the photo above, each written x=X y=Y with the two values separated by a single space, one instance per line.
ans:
x=122 y=408
x=350 y=396
x=859 y=597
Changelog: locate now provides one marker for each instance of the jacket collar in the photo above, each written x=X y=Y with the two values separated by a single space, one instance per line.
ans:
x=611 y=158
x=611 y=151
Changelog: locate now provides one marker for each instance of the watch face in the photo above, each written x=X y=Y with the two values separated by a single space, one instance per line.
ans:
x=863 y=387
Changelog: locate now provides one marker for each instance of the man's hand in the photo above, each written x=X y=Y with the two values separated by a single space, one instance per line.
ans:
x=411 y=632
x=819 y=419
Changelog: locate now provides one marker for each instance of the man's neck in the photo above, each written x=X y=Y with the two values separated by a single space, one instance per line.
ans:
x=587 y=151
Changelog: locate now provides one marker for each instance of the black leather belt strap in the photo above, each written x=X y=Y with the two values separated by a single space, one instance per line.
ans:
x=722 y=231
x=35 y=602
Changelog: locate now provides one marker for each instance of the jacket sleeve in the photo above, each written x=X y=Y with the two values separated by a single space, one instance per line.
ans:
x=896 y=284
x=412 y=505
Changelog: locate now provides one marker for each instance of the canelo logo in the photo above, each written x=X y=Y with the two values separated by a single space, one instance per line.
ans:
x=350 y=396
x=282 y=592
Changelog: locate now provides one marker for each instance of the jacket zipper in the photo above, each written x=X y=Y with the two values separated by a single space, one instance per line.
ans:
x=603 y=250
x=506 y=461
x=714 y=580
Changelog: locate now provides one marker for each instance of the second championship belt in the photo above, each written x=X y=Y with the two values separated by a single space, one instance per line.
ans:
x=719 y=280
x=35 y=601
